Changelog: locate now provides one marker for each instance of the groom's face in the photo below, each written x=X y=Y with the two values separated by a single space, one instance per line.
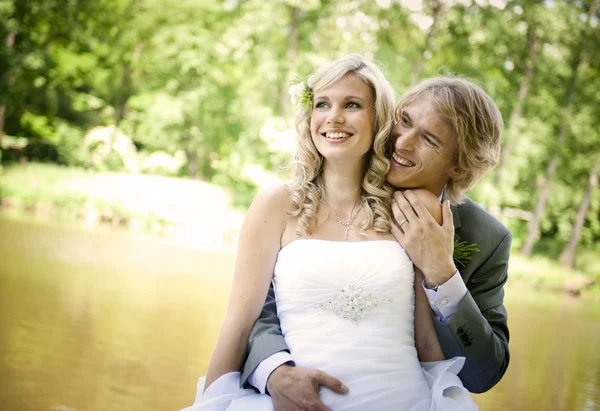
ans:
x=423 y=147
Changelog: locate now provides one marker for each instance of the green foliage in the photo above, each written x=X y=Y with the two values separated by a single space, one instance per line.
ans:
x=45 y=190
x=546 y=274
x=108 y=149
x=193 y=85
x=463 y=251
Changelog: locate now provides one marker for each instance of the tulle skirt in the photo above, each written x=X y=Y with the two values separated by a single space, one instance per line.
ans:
x=446 y=393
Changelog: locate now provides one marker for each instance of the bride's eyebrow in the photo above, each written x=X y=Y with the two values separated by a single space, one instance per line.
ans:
x=353 y=98
x=345 y=98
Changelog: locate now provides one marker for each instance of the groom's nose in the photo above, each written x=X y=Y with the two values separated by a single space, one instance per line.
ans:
x=405 y=140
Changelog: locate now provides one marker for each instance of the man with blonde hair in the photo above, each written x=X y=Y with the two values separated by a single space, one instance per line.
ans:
x=446 y=137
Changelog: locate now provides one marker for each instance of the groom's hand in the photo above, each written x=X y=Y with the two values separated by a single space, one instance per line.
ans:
x=428 y=244
x=297 y=388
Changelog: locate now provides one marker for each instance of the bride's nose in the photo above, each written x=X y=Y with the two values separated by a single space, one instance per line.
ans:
x=335 y=116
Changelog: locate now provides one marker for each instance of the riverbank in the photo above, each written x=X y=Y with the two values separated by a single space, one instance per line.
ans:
x=193 y=214
x=542 y=274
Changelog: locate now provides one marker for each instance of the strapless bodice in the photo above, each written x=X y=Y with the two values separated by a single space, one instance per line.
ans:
x=347 y=308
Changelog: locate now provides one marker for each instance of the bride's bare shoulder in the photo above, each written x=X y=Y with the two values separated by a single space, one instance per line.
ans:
x=278 y=192
x=267 y=216
x=273 y=198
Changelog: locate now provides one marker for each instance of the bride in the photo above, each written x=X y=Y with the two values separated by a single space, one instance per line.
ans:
x=344 y=286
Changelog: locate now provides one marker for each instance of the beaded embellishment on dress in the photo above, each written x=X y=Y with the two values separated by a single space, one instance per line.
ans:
x=351 y=304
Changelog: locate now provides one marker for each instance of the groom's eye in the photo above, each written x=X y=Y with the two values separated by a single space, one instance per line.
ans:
x=430 y=141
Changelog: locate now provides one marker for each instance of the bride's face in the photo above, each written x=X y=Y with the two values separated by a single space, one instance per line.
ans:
x=343 y=122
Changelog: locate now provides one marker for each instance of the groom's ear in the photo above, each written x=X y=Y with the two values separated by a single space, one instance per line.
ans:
x=454 y=171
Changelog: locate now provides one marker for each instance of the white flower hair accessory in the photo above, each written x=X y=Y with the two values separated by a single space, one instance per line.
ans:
x=301 y=96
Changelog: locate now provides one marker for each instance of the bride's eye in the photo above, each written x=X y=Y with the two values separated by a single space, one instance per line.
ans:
x=352 y=104
x=320 y=104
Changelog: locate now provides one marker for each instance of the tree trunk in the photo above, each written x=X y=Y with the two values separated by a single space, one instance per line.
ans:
x=2 y=111
x=193 y=166
x=191 y=152
x=437 y=7
x=515 y=115
x=10 y=42
x=567 y=257
x=291 y=54
x=125 y=91
x=534 y=224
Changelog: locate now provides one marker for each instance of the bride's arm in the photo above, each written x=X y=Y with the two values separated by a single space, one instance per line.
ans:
x=258 y=245
x=426 y=339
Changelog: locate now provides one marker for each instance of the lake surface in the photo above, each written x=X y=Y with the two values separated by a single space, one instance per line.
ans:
x=102 y=320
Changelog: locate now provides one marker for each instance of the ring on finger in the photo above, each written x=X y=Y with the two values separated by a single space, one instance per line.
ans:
x=402 y=222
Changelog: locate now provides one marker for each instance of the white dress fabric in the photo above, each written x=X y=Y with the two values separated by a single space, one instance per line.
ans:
x=347 y=309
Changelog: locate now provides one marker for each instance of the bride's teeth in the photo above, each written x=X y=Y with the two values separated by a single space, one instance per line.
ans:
x=402 y=161
x=336 y=135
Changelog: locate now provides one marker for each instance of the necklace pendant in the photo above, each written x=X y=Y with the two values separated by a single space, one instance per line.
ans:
x=345 y=223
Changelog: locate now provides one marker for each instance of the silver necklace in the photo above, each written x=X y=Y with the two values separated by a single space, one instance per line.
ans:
x=345 y=223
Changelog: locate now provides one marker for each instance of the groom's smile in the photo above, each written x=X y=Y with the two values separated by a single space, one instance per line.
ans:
x=398 y=160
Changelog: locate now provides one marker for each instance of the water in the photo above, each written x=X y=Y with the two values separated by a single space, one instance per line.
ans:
x=102 y=320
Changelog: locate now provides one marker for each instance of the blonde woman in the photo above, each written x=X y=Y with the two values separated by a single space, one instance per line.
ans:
x=344 y=285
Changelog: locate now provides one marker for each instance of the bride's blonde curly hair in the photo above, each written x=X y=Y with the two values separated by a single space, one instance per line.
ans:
x=306 y=187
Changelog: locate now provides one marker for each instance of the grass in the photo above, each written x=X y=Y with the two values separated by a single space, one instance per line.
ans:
x=542 y=273
x=189 y=212
x=50 y=191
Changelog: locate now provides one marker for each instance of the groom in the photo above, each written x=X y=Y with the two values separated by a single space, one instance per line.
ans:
x=446 y=137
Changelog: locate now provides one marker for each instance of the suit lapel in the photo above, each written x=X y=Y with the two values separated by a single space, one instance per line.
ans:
x=455 y=217
x=457 y=223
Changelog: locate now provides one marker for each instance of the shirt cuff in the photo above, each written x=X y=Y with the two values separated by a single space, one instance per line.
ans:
x=259 y=377
x=445 y=301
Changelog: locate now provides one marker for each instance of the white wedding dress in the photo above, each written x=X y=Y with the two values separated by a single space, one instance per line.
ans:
x=347 y=308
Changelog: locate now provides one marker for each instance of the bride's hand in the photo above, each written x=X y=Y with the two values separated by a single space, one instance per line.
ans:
x=297 y=388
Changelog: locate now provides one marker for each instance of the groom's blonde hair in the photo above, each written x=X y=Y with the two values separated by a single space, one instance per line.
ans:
x=476 y=124
x=306 y=187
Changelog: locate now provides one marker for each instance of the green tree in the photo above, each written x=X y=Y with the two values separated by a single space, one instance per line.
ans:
x=534 y=226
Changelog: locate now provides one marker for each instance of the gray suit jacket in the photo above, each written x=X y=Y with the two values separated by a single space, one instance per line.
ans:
x=478 y=330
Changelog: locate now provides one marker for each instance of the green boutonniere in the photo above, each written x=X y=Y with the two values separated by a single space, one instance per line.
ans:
x=462 y=252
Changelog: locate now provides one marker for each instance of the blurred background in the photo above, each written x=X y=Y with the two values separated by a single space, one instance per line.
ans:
x=134 y=134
